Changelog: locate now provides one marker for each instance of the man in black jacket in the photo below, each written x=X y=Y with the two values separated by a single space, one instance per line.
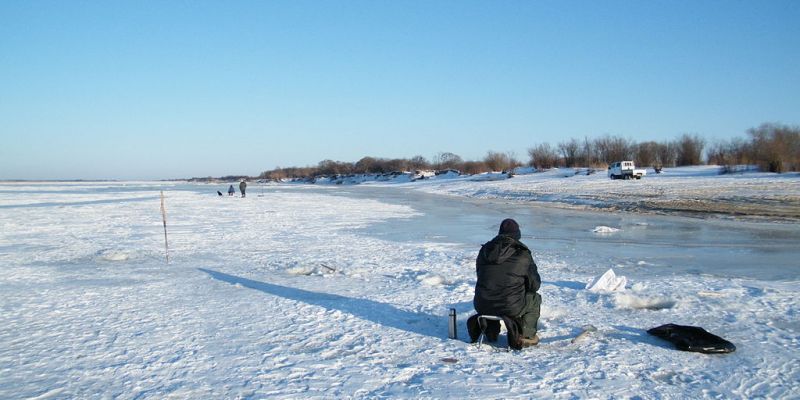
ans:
x=507 y=286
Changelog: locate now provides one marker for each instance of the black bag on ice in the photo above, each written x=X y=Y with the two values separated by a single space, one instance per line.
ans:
x=693 y=338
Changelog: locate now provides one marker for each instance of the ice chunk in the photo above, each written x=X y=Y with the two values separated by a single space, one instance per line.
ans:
x=608 y=282
x=623 y=300
x=604 y=229
x=301 y=270
x=113 y=255
x=432 y=280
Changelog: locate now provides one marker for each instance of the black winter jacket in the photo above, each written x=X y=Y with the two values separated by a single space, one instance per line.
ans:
x=506 y=271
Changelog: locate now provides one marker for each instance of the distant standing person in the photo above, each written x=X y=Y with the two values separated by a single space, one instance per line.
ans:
x=231 y=190
x=242 y=187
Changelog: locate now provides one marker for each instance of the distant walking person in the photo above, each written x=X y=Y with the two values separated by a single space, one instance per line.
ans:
x=231 y=190
x=242 y=187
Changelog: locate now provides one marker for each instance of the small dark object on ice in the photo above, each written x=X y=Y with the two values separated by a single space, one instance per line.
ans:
x=450 y=360
x=219 y=193
x=693 y=338
x=329 y=268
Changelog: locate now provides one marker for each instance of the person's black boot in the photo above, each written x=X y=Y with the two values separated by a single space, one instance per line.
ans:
x=473 y=329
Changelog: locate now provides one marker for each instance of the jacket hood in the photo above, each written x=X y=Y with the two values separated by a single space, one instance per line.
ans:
x=501 y=248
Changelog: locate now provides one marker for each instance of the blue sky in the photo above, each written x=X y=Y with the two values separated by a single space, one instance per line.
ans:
x=169 y=89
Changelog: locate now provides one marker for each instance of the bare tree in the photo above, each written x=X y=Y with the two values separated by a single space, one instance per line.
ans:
x=569 y=152
x=729 y=154
x=690 y=150
x=329 y=167
x=474 y=167
x=601 y=149
x=666 y=154
x=619 y=149
x=496 y=161
x=610 y=149
x=276 y=174
x=589 y=154
x=326 y=167
x=543 y=156
x=447 y=160
x=513 y=162
x=776 y=147
x=365 y=165
x=419 y=163
x=395 y=165
x=646 y=154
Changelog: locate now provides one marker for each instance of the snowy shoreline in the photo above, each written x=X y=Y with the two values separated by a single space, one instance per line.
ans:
x=700 y=191
x=690 y=191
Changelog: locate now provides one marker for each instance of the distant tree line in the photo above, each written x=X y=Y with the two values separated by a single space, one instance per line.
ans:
x=772 y=147
x=227 y=178
x=601 y=151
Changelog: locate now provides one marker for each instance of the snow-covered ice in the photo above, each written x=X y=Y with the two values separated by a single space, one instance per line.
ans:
x=343 y=292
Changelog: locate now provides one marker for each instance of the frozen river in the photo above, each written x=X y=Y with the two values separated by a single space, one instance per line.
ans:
x=343 y=291
x=642 y=245
x=637 y=244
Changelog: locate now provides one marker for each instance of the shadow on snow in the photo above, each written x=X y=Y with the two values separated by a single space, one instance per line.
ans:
x=373 y=311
